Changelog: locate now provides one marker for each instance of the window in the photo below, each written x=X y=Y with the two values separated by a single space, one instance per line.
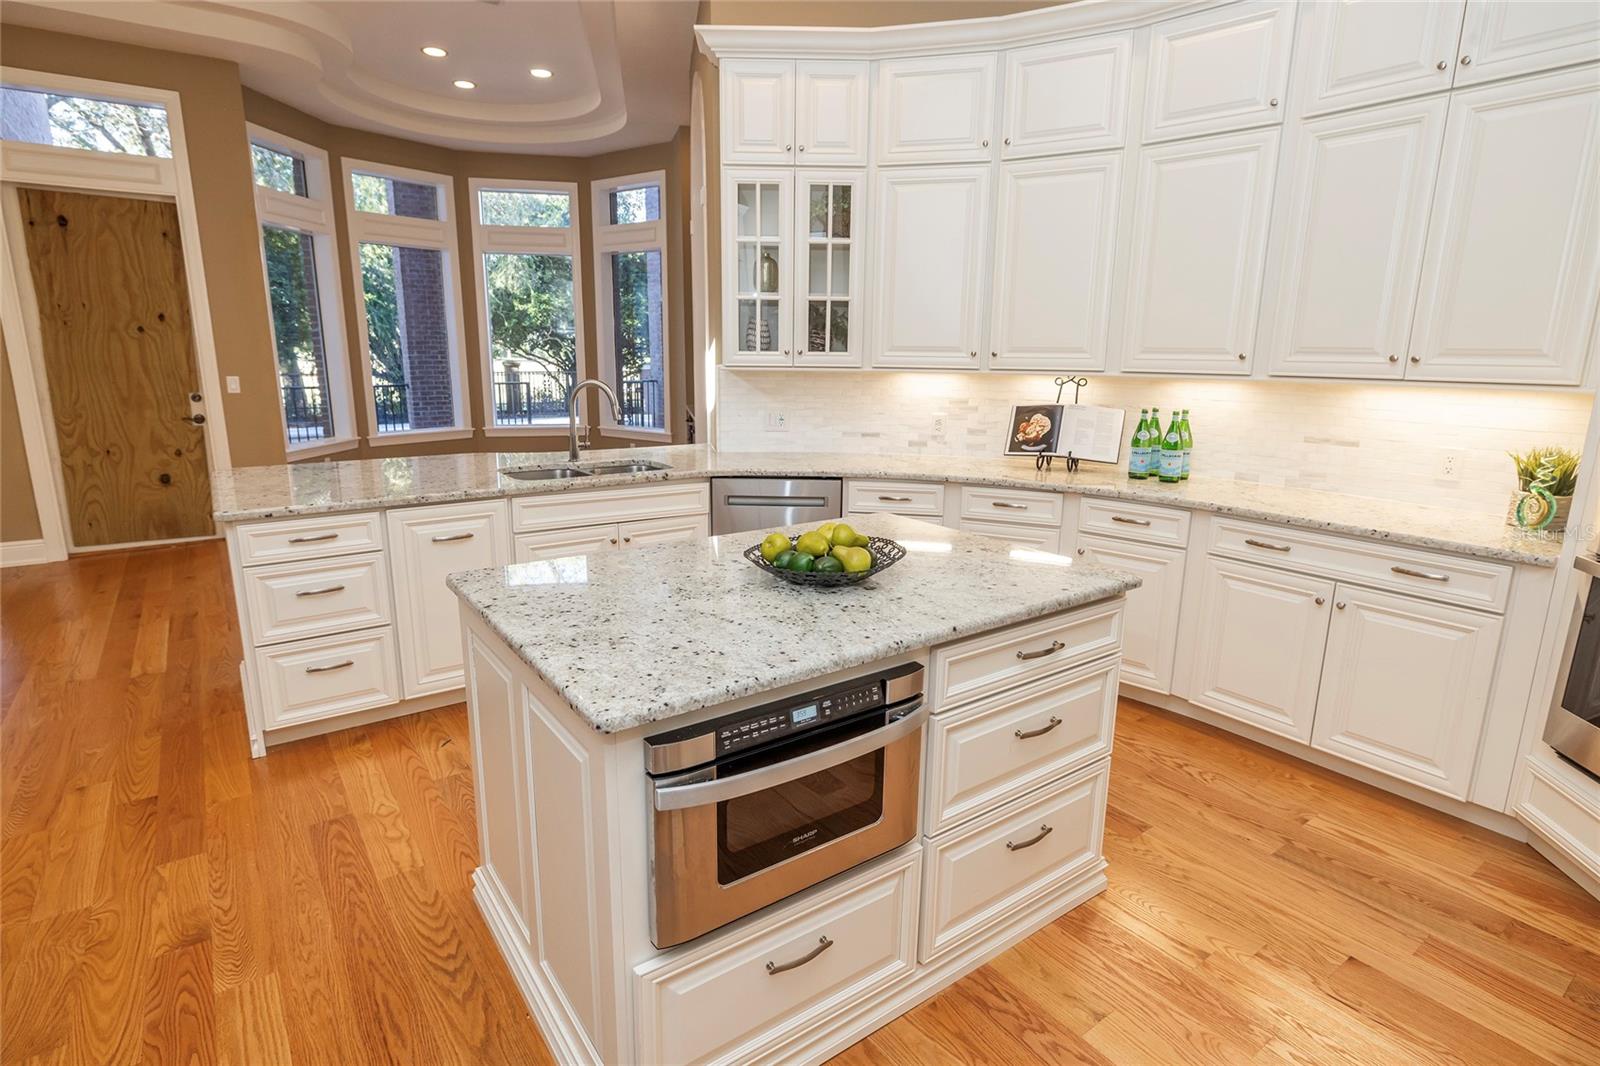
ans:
x=403 y=249
x=295 y=211
x=632 y=279
x=527 y=251
x=84 y=122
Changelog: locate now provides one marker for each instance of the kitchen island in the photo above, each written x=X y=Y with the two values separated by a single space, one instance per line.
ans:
x=991 y=670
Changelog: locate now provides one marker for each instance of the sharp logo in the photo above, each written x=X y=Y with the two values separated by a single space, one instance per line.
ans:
x=803 y=837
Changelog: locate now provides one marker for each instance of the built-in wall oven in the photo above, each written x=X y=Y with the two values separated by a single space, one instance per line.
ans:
x=753 y=806
x=1574 y=725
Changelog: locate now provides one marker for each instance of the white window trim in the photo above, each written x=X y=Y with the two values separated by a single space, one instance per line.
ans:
x=634 y=237
x=524 y=240
x=369 y=228
x=313 y=214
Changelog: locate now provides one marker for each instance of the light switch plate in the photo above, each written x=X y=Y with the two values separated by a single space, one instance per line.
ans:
x=233 y=382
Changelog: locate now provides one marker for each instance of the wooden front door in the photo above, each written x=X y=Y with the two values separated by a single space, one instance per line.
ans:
x=119 y=357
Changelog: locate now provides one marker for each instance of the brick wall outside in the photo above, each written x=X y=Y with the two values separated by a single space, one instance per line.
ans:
x=424 y=327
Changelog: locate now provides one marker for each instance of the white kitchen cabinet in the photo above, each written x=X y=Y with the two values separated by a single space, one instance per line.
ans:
x=1042 y=538
x=1055 y=248
x=1352 y=220
x=648 y=531
x=830 y=112
x=1405 y=687
x=1150 y=620
x=933 y=243
x=935 y=109
x=757 y=110
x=1067 y=96
x=1500 y=38
x=831 y=240
x=1225 y=69
x=1351 y=53
x=565 y=543
x=1261 y=638
x=1512 y=270
x=427 y=544
x=1199 y=236
x=758 y=244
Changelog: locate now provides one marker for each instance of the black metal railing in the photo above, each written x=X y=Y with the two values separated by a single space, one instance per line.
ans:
x=530 y=398
x=641 y=403
x=389 y=400
x=305 y=412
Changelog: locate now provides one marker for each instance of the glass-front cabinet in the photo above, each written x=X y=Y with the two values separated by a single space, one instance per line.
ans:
x=830 y=242
x=757 y=306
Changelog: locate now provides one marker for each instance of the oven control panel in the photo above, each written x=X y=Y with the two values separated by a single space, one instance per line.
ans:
x=768 y=723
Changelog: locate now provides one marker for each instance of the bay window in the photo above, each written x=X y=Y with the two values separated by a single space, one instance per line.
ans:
x=631 y=278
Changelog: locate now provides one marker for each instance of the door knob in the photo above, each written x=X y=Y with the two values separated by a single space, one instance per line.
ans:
x=198 y=420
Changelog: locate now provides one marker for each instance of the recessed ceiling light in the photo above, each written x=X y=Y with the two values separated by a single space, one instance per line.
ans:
x=539 y=72
x=463 y=83
x=433 y=51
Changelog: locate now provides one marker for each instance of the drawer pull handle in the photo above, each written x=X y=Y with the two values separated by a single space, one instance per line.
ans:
x=330 y=666
x=1263 y=544
x=1044 y=831
x=1055 y=646
x=323 y=591
x=1009 y=506
x=313 y=540
x=823 y=944
x=1130 y=521
x=1408 y=572
x=445 y=538
x=895 y=499
x=1041 y=731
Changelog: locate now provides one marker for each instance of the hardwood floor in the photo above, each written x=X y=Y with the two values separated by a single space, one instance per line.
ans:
x=165 y=898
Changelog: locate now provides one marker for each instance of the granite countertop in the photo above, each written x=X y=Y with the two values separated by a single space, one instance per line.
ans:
x=256 y=492
x=644 y=635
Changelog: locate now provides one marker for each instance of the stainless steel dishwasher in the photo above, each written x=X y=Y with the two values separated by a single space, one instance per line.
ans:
x=740 y=504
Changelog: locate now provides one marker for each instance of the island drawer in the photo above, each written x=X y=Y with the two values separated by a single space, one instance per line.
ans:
x=586 y=507
x=750 y=988
x=1003 y=658
x=308 y=538
x=327 y=676
x=1449 y=578
x=287 y=601
x=978 y=875
x=1044 y=538
x=1012 y=505
x=920 y=499
x=991 y=752
x=1134 y=521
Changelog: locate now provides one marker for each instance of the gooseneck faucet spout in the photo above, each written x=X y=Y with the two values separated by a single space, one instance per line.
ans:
x=572 y=412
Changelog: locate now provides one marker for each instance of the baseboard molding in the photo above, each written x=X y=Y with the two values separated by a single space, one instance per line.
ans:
x=24 y=553
x=287 y=734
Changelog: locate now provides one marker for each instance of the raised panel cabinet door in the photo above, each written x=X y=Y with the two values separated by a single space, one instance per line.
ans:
x=1042 y=538
x=1196 y=251
x=831 y=109
x=1150 y=618
x=1512 y=270
x=565 y=543
x=1056 y=244
x=1067 y=96
x=1218 y=70
x=1262 y=636
x=1500 y=38
x=758 y=111
x=936 y=109
x=830 y=245
x=932 y=246
x=1351 y=53
x=1341 y=281
x=664 y=530
x=1405 y=687
x=427 y=545
x=757 y=242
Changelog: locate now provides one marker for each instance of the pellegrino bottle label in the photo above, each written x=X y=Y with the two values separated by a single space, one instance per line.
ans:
x=1139 y=454
x=1171 y=461
x=1188 y=444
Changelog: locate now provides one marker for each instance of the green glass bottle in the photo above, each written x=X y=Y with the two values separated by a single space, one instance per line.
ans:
x=1170 y=469
x=1139 y=452
x=1188 y=442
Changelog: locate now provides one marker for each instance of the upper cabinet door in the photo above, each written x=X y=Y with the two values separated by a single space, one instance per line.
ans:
x=1055 y=244
x=1504 y=37
x=1347 y=247
x=932 y=241
x=830 y=239
x=1198 y=240
x=1069 y=96
x=1512 y=271
x=1218 y=70
x=830 y=117
x=1350 y=54
x=757 y=243
x=938 y=109
x=758 y=111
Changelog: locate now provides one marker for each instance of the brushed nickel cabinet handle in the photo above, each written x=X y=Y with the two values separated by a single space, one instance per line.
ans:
x=1416 y=359
x=1466 y=61
x=323 y=591
x=973 y=354
x=627 y=540
x=1008 y=140
x=788 y=148
x=613 y=540
x=1321 y=601
x=1241 y=357
x=1041 y=731
x=1442 y=65
x=1080 y=551
x=330 y=666
x=1263 y=544
x=1009 y=506
x=1044 y=831
x=315 y=539
x=1130 y=521
x=1408 y=572
x=823 y=944
x=1394 y=359
x=1055 y=646
x=802 y=147
x=1340 y=605
x=895 y=499
x=1273 y=102
x=986 y=142
x=446 y=538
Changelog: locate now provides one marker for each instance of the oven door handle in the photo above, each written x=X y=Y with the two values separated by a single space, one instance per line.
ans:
x=700 y=793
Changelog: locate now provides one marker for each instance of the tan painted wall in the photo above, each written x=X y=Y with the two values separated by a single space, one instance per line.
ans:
x=19 y=517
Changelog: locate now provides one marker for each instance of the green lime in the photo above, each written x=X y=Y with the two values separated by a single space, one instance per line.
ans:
x=781 y=560
x=801 y=563
x=827 y=565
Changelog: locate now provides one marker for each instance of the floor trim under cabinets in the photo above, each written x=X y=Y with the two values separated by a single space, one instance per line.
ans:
x=271 y=738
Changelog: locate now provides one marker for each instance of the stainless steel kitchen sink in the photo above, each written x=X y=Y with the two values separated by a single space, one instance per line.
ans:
x=546 y=473
x=623 y=466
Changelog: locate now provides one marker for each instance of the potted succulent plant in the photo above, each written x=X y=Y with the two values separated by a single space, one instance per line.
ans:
x=1546 y=479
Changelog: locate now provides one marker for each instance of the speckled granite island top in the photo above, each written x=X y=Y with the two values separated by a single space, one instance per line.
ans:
x=639 y=636
x=256 y=492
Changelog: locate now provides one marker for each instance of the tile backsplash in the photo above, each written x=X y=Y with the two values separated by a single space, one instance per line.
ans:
x=1442 y=446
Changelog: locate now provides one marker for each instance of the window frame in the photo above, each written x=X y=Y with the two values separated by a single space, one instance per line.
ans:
x=630 y=237
x=312 y=214
x=525 y=240
x=365 y=227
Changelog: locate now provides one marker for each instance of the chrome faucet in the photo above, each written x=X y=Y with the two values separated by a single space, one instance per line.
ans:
x=572 y=412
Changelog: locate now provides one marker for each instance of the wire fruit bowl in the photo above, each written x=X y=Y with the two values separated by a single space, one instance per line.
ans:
x=885 y=553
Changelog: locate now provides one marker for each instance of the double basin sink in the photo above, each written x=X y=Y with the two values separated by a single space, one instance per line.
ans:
x=576 y=470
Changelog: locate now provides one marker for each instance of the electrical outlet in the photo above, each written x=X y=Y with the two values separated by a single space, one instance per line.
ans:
x=938 y=425
x=233 y=383
x=1448 y=467
x=777 y=422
